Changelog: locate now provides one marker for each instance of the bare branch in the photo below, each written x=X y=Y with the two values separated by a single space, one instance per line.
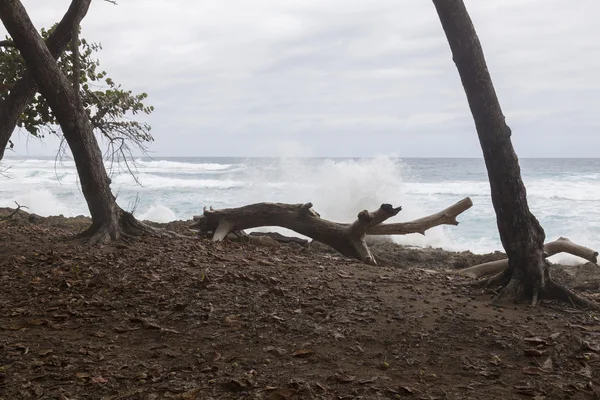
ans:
x=7 y=43
x=19 y=207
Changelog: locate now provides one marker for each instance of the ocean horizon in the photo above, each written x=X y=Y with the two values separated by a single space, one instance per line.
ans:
x=562 y=192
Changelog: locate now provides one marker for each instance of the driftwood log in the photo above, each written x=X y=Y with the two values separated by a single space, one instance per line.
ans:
x=348 y=239
x=561 y=245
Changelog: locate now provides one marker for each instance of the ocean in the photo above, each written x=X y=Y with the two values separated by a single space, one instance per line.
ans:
x=564 y=194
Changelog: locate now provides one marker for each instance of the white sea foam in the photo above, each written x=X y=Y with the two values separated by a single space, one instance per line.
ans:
x=565 y=202
x=43 y=202
x=158 y=213
x=149 y=181
x=339 y=189
x=179 y=167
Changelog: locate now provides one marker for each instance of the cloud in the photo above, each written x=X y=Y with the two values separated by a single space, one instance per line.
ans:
x=353 y=78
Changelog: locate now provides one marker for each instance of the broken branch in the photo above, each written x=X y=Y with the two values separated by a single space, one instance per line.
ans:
x=561 y=245
x=444 y=217
x=19 y=207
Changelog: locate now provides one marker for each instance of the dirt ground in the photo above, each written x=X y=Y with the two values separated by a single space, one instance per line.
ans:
x=188 y=319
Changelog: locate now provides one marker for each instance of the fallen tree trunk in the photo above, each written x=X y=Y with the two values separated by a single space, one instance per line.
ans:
x=561 y=245
x=348 y=239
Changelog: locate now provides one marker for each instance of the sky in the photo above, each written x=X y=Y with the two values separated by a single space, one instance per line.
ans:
x=343 y=77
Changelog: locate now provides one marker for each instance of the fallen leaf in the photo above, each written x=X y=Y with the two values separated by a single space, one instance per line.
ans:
x=37 y=322
x=536 y=340
x=548 y=366
x=495 y=360
x=533 y=352
x=120 y=329
x=234 y=385
x=193 y=394
x=232 y=319
x=22 y=347
x=82 y=375
x=489 y=374
x=99 y=379
x=38 y=390
x=302 y=353
x=344 y=377
x=282 y=394
x=533 y=371
x=368 y=380
x=12 y=327
x=271 y=349
x=587 y=346
x=586 y=371
x=527 y=390
x=406 y=389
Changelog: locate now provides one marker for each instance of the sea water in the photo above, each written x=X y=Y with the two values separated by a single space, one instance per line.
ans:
x=564 y=194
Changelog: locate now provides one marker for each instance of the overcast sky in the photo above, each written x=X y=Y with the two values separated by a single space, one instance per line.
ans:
x=344 y=77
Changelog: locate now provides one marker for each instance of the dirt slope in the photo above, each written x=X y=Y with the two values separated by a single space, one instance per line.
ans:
x=189 y=319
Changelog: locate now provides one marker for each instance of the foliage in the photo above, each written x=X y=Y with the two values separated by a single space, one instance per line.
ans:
x=109 y=106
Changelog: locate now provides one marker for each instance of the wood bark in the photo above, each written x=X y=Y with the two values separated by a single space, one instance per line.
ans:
x=444 y=217
x=109 y=221
x=520 y=232
x=23 y=91
x=75 y=54
x=348 y=239
x=561 y=245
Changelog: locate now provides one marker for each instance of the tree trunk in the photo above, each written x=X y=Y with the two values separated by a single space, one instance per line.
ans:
x=25 y=89
x=109 y=220
x=520 y=232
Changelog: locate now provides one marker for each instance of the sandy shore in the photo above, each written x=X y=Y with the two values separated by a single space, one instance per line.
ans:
x=189 y=319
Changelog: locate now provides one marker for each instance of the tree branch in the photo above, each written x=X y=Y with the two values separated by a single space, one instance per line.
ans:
x=19 y=207
x=25 y=89
x=7 y=43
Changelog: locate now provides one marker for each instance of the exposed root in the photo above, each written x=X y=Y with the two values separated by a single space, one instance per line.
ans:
x=500 y=279
x=513 y=292
x=126 y=229
x=557 y=291
x=515 y=288
x=535 y=297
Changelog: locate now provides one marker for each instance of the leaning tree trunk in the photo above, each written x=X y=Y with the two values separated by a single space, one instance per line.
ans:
x=23 y=91
x=109 y=221
x=520 y=232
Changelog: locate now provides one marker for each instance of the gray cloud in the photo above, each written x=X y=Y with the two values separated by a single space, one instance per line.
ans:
x=333 y=77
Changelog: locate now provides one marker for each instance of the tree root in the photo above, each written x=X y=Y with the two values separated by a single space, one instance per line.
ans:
x=500 y=279
x=515 y=289
x=126 y=228
x=556 y=291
